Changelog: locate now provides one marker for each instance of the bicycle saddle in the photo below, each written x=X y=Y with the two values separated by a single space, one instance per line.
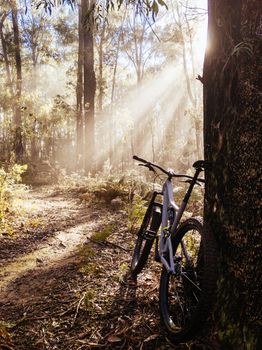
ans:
x=201 y=164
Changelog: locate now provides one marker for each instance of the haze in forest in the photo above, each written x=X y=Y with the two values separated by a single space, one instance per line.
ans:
x=148 y=101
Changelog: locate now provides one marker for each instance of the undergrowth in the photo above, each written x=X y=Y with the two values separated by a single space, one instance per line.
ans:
x=130 y=193
x=10 y=190
x=102 y=235
x=5 y=335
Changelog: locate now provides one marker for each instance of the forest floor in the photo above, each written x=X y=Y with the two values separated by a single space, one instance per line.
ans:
x=65 y=280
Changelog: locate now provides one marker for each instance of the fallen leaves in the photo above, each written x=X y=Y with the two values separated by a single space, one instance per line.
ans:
x=113 y=339
x=89 y=300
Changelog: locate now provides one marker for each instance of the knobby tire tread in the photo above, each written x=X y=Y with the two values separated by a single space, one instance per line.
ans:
x=208 y=287
x=139 y=259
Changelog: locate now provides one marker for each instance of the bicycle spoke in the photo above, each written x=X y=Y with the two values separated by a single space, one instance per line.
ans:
x=177 y=311
x=196 y=297
x=184 y=287
x=189 y=280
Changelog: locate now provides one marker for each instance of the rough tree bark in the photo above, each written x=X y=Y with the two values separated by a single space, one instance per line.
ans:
x=5 y=53
x=18 y=142
x=89 y=83
x=232 y=136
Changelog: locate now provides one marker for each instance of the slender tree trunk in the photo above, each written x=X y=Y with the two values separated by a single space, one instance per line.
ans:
x=192 y=94
x=152 y=127
x=34 y=153
x=188 y=84
x=189 y=33
x=79 y=94
x=9 y=84
x=198 y=133
x=18 y=143
x=100 y=77
x=89 y=84
x=232 y=135
x=5 y=54
x=191 y=90
x=112 y=128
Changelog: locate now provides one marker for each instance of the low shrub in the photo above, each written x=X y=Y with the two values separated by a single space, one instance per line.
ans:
x=10 y=188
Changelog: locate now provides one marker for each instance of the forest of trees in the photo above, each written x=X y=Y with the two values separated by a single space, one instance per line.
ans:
x=86 y=92
x=84 y=87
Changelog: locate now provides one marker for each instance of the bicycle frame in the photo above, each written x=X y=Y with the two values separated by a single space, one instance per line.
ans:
x=165 y=245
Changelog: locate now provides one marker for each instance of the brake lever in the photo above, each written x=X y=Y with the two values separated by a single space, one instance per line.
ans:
x=186 y=181
x=189 y=182
x=148 y=166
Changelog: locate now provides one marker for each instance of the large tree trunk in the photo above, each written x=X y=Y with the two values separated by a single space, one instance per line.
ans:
x=232 y=135
x=89 y=84
x=18 y=144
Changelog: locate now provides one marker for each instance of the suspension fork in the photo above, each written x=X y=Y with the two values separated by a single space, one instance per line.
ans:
x=149 y=209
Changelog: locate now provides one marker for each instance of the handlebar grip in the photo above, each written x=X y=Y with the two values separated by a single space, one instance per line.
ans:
x=140 y=159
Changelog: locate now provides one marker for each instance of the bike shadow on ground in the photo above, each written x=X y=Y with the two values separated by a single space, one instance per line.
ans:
x=125 y=300
x=132 y=320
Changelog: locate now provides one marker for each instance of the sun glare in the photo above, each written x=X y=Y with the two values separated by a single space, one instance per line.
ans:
x=201 y=40
x=163 y=95
x=157 y=108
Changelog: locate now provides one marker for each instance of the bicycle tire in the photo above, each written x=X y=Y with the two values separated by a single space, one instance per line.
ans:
x=184 y=311
x=145 y=239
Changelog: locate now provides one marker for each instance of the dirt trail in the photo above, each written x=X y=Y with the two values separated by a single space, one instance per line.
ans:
x=49 y=251
x=56 y=248
x=62 y=290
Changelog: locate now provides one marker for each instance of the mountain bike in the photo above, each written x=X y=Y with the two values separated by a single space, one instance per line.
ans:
x=187 y=252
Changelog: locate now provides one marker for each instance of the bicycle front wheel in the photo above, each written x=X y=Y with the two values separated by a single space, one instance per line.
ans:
x=186 y=296
x=145 y=239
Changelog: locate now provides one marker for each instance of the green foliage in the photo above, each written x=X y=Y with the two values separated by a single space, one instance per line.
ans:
x=136 y=212
x=91 y=269
x=89 y=299
x=88 y=266
x=86 y=251
x=104 y=190
x=9 y=189
x=154 y=7
x=147 y=5
x=110 y=190
x=122 y=271
x=101 y=236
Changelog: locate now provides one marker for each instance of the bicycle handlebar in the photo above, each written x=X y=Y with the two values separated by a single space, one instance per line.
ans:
x=168 y=173
x=150 y=165
x=140 y=159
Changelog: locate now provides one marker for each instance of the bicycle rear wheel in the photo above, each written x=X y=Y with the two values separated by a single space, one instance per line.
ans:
x=186 y=296
x=145 y=238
